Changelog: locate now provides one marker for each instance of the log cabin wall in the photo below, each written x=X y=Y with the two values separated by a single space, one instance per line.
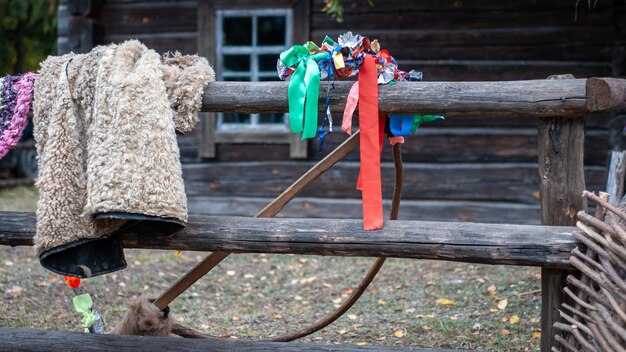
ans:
x=470 y=169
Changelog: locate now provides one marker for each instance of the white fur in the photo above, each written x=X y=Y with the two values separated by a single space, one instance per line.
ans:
x=106 y=141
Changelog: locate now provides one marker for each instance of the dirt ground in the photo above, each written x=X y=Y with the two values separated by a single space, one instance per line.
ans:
x=410 y=303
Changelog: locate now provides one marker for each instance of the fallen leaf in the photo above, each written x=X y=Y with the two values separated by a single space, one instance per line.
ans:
x=8 y=263
x=491 y=288
x=51 y=277
x=410 y=310
x=504 y=331
x=476 y=327
x=303 y=260
x=308 y=280
x=235 y=318
x=493 y=310
x=444 y=301
x=430 y=283
x=361 y=343
x=503 y=303
x=536 y=334
x=398 y=333
x=514 y=319
x=276 y=316
x=231 y=272
x=426 y=328
x=326 y=284
x=248 y=276
x=382 y=301
x=177 y=253
x=343 y=332
x=352 y=317
x=337 y=300
x=16 y=290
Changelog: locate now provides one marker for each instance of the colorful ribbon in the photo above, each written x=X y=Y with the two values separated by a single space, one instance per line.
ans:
x=370 y=146
x=16 y=101
x=348 y=112
x=83 y=304
x=303 y=92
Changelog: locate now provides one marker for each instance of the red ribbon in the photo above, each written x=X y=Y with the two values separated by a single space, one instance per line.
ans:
x=371 y=142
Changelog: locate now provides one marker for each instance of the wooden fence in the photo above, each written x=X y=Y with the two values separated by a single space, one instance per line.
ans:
x=560 y=105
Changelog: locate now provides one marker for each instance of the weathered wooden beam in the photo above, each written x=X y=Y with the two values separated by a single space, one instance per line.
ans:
x=605 y=94
x=545 y=246
x=532 y=98
x=31 y=340
x=562 y=181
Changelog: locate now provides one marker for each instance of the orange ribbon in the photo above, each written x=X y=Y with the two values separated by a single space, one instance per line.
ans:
x=371 y=142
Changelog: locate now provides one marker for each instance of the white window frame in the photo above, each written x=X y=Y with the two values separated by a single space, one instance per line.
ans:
x=253 y=51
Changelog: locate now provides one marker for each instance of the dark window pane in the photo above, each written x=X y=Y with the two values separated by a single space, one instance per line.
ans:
x=235 y=118
x=236 y=63
x=237 y=30
x=268 y=62
x=236 y=79
x=271 y=118
x=271 y=30
x=269 y=78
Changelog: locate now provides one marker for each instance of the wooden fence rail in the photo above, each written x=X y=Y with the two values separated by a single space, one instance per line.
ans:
x=533 y=98
x=31 y=340
x=545 y=246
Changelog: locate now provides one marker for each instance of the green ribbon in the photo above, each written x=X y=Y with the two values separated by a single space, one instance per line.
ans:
x=83 y=304
x=417 y=119
x=304 y=87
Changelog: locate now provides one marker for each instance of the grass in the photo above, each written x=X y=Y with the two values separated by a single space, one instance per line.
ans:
x=257 y=295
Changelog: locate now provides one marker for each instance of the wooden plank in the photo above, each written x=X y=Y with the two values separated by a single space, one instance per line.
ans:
x=206 y=32
x=476 y=5
x=84 y=34
x=619 y=41
x=339 y=208
x=185 y=42
x=435 y=17
x=510 y=182
x=497 y=99
x=31 y=340
x=449 y=144
x=150 y=17
x=545 y=246
x=561 y=170
x=497 y=70
x=606 y=94
x=491 y=44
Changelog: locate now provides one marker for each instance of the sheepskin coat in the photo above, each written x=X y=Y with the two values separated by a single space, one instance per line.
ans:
x=105 y=128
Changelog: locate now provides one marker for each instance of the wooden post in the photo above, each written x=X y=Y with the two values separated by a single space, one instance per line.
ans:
x=562 y=181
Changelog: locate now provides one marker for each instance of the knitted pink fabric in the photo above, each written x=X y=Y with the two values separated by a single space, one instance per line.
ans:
x=19 y=121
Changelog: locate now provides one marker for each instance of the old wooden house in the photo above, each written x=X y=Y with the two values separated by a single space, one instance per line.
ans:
x=470 y=169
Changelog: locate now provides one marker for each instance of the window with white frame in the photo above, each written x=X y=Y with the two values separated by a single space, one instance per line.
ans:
x=248 y=45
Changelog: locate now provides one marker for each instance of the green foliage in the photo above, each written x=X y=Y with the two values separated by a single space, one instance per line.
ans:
x=334 y=8
x=27 y=33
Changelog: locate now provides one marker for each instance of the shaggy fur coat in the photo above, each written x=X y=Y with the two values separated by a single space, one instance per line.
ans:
x=105 y=127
